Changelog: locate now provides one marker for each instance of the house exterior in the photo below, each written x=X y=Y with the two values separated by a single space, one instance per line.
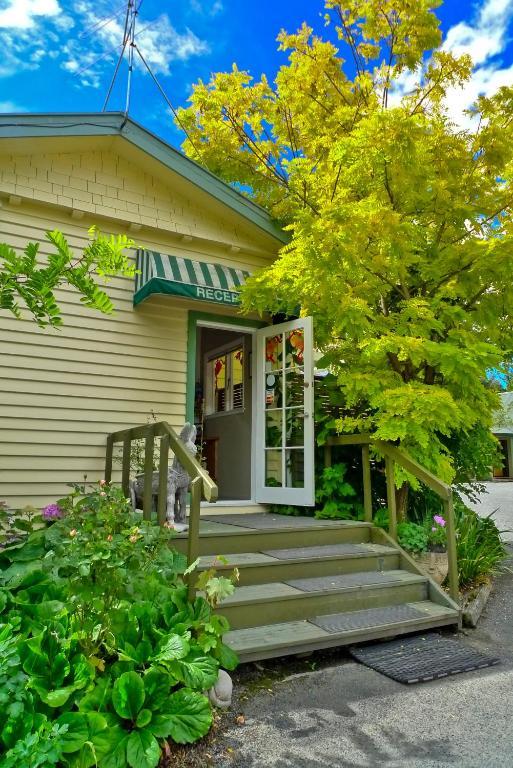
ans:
x=177 y=347
x=503 y=431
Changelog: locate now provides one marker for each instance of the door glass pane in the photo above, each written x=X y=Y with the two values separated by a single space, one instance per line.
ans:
x=274 y=352
x=295 y=427
x=295 y=468
x=273 y=428
x=294 y=347
x=273 y=473
x=273 y=390
x=295 y=389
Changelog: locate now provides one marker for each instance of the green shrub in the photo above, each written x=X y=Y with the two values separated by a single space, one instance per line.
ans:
x=102 y=654
x=412 y=537
x=479 y=547
x=335 y=496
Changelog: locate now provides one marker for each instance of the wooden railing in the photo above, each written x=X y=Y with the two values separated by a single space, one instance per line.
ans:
x=202 y=485
x=394 y=455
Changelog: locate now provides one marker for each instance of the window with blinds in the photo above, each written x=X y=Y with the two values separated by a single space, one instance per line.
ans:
x=225 y=382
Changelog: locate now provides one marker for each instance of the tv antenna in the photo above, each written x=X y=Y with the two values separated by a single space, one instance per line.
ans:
x=129 y=48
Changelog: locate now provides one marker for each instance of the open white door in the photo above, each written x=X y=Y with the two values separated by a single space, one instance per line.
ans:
x=284 y=414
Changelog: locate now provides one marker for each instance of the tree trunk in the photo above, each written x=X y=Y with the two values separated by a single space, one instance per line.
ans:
x=401 y=501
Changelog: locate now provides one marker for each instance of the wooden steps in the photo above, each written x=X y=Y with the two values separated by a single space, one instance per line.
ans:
x=280 y=601
x=261 y=568
x=308 y=584
x=267 y=641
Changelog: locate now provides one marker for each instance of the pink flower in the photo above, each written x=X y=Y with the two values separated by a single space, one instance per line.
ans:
x=52 y=512
x=439 y=520
x=102 y=493
x=103 y=482
x=433 y=528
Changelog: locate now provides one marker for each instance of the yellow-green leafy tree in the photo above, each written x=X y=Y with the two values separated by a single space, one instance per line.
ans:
x=400 y=220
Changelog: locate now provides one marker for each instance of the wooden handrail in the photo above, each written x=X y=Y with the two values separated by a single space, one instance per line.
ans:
x=202 y=484
x=394 y=455
x=162 y=429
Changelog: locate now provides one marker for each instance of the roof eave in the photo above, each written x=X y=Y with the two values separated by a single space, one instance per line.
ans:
x=117 y=124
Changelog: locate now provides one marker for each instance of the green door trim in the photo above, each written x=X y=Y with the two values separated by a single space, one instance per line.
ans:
x=192 y=324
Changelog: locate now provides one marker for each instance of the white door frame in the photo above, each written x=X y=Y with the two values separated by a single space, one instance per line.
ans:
x=236 y=328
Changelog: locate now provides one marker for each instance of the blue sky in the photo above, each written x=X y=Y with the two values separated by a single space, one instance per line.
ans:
x=59 y=55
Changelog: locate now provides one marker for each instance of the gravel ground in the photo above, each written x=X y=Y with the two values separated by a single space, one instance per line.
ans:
x=498 y=496
x=329 y=712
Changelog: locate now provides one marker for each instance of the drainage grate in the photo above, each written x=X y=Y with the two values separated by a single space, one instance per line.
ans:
x=371 y=617
x=421 y=658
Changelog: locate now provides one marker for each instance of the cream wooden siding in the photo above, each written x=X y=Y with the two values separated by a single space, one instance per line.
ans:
x=64 y=391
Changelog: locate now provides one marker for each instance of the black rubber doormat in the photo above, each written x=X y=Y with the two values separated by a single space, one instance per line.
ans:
x=421 y=658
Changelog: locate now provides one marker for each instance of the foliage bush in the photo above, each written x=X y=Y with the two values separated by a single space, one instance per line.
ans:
x=479 y=547
x=412 y=537
x=102 y=654
x=335 y=496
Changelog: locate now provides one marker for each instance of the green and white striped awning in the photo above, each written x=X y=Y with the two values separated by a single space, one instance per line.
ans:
x=161 y=273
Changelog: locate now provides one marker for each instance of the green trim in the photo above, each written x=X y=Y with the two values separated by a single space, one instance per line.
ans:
x=192 y=324
x=118 y=124
x=187 y=291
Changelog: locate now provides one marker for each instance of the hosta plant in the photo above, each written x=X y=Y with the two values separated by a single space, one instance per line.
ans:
x=102 y=653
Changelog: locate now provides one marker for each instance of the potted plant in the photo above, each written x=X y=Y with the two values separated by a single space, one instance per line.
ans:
x=427 y=545
x=435 y=561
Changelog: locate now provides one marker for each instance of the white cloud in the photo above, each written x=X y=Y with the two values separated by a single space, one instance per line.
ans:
x=24 y=14
x=30 y=31
x=86 y=36
x=485 y=38
x=208 y=8
x=11 y=106
x=91 y=56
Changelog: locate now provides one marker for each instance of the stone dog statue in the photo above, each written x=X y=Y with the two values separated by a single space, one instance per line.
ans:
x=177 y=484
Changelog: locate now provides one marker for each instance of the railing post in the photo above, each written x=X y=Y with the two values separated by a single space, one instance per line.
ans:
x=391 y=503
x=148 y=476
x=327 y=455
x=163 y=471
x=194 y=525
x=451 y=549
x=125 y=466
x=108 y=459
x=367 y=490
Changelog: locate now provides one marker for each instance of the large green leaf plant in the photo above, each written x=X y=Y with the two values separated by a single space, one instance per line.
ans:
x=102 y=653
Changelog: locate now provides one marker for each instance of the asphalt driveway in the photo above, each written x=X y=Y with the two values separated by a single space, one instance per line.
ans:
x=498 y=498
x=342 y=714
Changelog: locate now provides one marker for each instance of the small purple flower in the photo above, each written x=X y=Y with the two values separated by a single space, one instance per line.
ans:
x=52 y=512
x=433 y=528
x=439 y=520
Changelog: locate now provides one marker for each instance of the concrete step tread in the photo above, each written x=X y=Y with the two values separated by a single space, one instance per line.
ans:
x=294 y=636
x=323 y=585
x=257 y=524
x=295 y=554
